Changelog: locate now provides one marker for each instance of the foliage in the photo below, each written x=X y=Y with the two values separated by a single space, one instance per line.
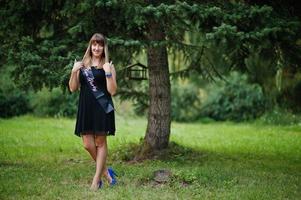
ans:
x=58 y=32
x=46 y=36
x=185 y=101
x=54 y=103
x=13 y=103
x=137 y=92
x=235 y=99
x=279 y=116
x=289 y=92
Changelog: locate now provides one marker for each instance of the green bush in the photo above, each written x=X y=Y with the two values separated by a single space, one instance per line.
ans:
x=235 y=99
x=279 y=116
x=54 y=103
x=185 y=101
x=13 y=102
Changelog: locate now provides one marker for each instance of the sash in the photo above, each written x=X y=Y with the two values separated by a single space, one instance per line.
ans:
x=105 y=102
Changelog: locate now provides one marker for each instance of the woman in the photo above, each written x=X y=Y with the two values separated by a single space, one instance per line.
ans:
x=93 y=122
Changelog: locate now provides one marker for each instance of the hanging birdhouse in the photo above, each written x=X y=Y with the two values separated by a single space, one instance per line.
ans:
x=136 y=71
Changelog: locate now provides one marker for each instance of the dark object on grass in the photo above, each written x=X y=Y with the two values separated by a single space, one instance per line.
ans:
x=162 y=176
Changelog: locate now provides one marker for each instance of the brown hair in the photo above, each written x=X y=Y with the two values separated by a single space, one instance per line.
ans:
x=101 y=40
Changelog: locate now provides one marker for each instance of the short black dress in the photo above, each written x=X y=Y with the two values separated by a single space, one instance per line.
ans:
x=91 y=118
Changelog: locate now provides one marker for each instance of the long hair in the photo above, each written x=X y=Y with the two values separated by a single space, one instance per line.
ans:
x=100 y=39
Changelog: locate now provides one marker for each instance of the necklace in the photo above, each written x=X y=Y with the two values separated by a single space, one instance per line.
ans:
x=100 y=63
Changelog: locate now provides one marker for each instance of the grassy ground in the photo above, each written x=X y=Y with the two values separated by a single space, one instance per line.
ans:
x=40 y=158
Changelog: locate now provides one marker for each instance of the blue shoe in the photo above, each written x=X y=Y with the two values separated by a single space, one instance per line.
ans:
x=113 y=175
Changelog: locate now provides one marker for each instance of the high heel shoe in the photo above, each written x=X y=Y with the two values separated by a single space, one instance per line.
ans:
x=113 y=175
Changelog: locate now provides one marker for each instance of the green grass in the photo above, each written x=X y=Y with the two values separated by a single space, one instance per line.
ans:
x=41 y=158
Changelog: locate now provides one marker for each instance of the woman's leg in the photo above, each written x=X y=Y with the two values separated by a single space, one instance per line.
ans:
x=101 y=157
x=91 y=146
x=101 y=141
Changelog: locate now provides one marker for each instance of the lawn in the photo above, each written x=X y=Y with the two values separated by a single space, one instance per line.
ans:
x=41 y=158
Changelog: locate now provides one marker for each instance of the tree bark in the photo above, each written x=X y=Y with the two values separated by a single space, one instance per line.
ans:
x=159 y=114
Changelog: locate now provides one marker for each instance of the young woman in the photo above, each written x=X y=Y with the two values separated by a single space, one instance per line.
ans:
x=93 y=121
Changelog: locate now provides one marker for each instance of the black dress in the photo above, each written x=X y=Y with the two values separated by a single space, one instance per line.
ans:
x=91 y=118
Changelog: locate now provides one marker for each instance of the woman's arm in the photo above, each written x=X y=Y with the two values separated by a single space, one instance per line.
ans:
x=74 y=78
x=111 y=80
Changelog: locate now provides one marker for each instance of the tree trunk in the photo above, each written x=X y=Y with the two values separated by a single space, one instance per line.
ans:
x=159 y=117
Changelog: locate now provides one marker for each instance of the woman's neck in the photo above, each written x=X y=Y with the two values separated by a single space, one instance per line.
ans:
x=96 y=61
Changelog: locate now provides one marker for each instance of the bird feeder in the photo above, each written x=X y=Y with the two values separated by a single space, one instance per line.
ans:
x=136 y=71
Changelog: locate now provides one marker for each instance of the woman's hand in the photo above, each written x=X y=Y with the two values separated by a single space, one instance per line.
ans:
x=110 y=77
x=77 y=66
x=107 y=67
x=74 y=78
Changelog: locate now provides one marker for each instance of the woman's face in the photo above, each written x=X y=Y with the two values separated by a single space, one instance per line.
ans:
x=96 y=49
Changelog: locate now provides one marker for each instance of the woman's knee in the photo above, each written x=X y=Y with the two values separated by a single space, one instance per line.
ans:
x=89 y=146
x=88 y=142
x=100 y=141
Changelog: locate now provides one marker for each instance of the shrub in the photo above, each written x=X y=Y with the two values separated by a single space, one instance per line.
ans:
x=54 y=103
x=279 y=116
x=235 y=99
x=13 y=102
x=185 y=101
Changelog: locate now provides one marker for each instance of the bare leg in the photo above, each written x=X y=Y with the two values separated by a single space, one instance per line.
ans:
x=90 y=146
x=101 y=156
